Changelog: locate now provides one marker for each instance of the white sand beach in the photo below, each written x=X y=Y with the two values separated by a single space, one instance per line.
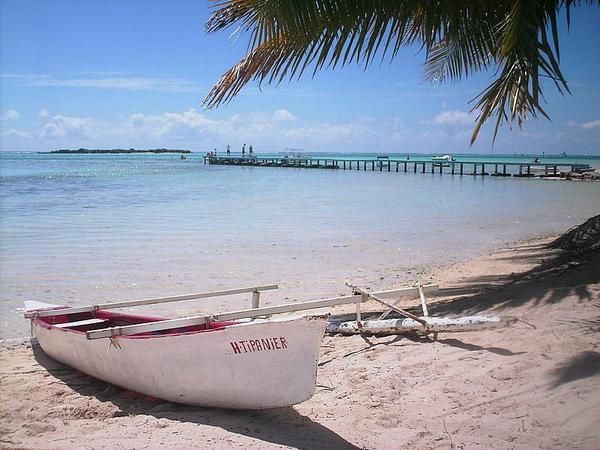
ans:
x=535 y=384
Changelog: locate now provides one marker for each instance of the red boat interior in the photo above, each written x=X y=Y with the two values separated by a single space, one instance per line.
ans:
x=96 y=320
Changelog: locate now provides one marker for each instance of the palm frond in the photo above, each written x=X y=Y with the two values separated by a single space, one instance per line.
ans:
x=523 y=54
x=518 y=37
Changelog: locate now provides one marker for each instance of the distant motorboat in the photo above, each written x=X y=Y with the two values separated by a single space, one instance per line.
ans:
x=383 y=160
x=443 y=158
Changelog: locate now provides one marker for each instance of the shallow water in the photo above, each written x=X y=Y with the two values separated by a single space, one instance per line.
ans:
x=92 y=228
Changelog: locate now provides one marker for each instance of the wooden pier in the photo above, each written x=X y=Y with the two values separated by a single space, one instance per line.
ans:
x=473 y=168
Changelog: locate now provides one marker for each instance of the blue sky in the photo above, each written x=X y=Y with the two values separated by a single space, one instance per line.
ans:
x=133 y=74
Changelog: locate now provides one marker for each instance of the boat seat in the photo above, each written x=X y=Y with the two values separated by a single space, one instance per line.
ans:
x=80 y=323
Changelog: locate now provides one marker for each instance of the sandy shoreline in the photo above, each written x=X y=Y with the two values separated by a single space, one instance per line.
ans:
x=533 y=385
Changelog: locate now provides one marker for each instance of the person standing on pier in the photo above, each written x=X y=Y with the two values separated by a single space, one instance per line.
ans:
x=244 y=150
x=228 y=150
x=250 y=150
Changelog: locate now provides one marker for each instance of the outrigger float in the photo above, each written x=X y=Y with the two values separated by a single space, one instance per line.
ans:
x=238 y=359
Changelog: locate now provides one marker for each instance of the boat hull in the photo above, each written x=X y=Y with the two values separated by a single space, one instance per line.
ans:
x=253 y=365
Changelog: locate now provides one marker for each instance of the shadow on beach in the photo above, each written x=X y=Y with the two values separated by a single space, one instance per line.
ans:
x=283 y=426
x=551 y=281
x=585 y=364
x=555 y=278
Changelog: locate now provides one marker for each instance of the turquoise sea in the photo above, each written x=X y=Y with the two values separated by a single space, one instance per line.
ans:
x=76 y=229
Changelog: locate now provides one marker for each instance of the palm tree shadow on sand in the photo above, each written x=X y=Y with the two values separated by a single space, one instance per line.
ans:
x=283 y=426
x=550 y=282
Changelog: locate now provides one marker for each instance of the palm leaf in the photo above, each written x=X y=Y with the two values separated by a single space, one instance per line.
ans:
x=517 y=37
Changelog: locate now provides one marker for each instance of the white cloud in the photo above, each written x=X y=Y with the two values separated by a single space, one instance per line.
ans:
x=126 y=83
x=108 y=80
x=198 y=131
x=61 y=126
x=283 y=115
x=201 y=131
x=44 y=113
x=17 y=133
x=11 y=114
x=454 y=118
x=591 y=125
x=171 y=123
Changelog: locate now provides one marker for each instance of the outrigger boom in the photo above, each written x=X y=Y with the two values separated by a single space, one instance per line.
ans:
x=358 y=296
x=150 y=301
x=233 y=315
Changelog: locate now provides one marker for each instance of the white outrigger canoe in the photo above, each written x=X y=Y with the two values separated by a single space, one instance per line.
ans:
x=239 y=359
x=238 y=364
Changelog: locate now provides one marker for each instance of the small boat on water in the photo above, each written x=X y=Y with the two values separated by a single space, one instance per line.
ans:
x=445 y=158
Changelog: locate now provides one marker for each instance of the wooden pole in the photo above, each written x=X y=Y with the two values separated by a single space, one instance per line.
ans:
x=151 y=301
x=171 y=324
x=423 y=304
x=408 y=292
x=255 y=299
x=391 y=306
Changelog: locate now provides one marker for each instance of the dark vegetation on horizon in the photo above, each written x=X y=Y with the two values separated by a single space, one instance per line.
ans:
x=120 y=150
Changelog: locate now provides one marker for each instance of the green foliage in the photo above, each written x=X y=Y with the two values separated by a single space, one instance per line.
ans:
x=517 y=38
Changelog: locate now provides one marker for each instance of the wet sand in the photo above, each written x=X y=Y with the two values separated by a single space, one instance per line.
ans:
x=535 y=384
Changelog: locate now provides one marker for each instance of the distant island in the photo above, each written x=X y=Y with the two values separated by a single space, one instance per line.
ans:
x=119 y=150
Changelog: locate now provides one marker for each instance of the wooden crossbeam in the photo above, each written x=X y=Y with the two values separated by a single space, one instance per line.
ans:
x=400 y=310
x=377 y=298
x=150 y=301
x=420 y=290
x=233 y=315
